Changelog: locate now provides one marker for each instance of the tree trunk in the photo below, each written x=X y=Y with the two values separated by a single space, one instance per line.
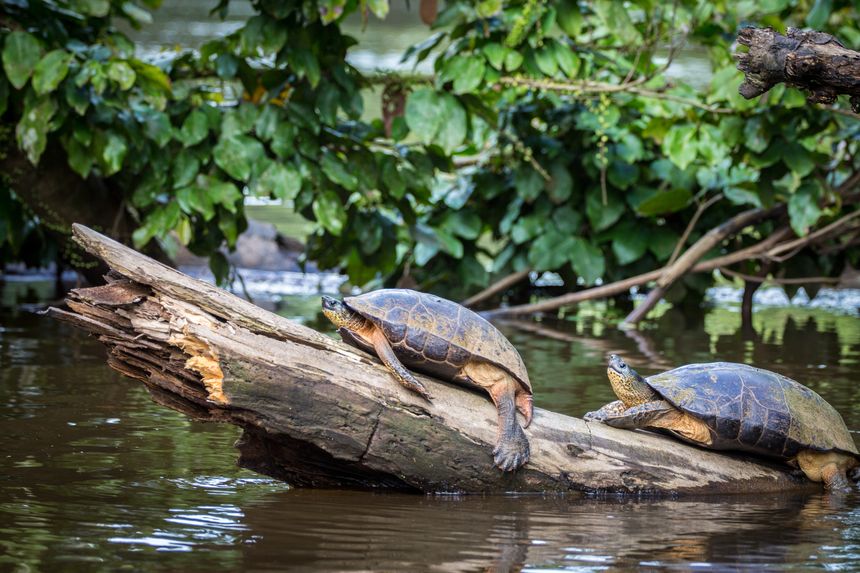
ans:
x=316 y=412
x=813 y=61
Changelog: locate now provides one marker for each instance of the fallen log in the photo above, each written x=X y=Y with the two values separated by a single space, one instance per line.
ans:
x=316 y=412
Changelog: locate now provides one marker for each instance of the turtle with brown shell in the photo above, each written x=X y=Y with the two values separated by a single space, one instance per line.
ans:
x=428 y=334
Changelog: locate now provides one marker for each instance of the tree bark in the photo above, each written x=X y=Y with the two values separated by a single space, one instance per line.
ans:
x=813 y=61
x=316 y=412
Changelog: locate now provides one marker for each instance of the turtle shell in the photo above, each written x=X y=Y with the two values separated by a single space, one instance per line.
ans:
x=436 y=336
x=755 y=410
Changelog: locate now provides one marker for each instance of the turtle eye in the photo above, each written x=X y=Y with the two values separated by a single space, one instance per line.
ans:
x=622 y=365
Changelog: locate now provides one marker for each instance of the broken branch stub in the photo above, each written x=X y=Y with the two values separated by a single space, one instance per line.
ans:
x=316 y=412
x=815 y=62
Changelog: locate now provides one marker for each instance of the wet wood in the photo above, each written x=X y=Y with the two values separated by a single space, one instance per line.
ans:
x=815 y=62
x=316 y=412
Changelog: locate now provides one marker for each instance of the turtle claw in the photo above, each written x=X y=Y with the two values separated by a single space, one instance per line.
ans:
x=511 y=453
x=595 y=416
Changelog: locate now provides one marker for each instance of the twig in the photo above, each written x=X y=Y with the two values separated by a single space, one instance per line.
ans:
x=588 y=87
x=798 y=244
x=497 y=287
x=700 y=248
x=777 y=281
x=625 y=285
x=695 y=219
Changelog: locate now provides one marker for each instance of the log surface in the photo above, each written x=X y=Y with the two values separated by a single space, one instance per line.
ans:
x=316 y=412
x=815 y=62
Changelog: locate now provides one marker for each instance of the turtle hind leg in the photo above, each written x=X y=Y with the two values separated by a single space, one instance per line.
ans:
x=524 y=406
x=828 y=467
x=401 y=373
x=512 y=447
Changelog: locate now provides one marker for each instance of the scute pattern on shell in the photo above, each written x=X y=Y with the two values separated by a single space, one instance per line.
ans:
x=435 y=335
x=762 y=411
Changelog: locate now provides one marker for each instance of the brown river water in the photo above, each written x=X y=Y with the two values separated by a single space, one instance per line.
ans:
x=96 y=477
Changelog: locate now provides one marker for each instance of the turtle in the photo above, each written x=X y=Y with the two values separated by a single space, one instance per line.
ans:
x=407 y=329
x=728 y=406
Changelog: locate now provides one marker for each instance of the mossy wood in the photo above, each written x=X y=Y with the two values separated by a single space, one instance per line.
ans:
x=316 y=412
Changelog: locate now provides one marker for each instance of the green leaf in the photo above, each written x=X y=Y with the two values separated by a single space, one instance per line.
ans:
x=678 y=144
x=567 y=60
x=546 y=62
x=452 y=132
x=194 y=128
x=111 y=149
x=424 y=114
x=97 y=8
x=567 y=220
x=122 y=74
x=466 y=224
x=338 y=172
x=528 y=182
x=329 y=212
x=561 y=185
x=550 y=251
x=80 y=158
x=196 y=199
x=526 y=228
x=797 y=158
x=185 y=169
x=21 y=53
x=615 y=17
x=513 y=60
x=223 y=193
x=279 y=180
x=820 y=13
x=157 y=127
x=661 y=242
x=495 y=54
x=282 y=140
x=31 y=132
x=569 y=18
x=599 y=215
x=135 y=12
x=226 y=65
x=587 y=260
x=803 y=209
x=487 y=8
x=663 y=202
x=628 y=245
x=184 y=231
x=237 y=155
x=469 y=74
x=50 y=71
x=220 y=267
x=379 y=8
x=741 y=196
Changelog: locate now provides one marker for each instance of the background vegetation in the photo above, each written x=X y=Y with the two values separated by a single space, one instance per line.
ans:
x=548 y=137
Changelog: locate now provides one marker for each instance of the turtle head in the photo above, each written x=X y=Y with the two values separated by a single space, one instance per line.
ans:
x=339 y=314
x=627 y=384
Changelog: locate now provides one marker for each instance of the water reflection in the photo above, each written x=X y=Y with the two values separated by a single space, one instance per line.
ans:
x=96 y=476
x=401 y=532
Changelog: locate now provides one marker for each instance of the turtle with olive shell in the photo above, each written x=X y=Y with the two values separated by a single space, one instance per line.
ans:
x=727 y=406
x=408 y=329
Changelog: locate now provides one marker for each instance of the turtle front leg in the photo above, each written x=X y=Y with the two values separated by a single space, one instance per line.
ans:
x=401 y=373
x=641 y=416
x=615 y=408
x=512 y=447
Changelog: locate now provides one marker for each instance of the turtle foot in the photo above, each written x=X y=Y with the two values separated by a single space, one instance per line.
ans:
x=512 y=451
x=595 y=416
